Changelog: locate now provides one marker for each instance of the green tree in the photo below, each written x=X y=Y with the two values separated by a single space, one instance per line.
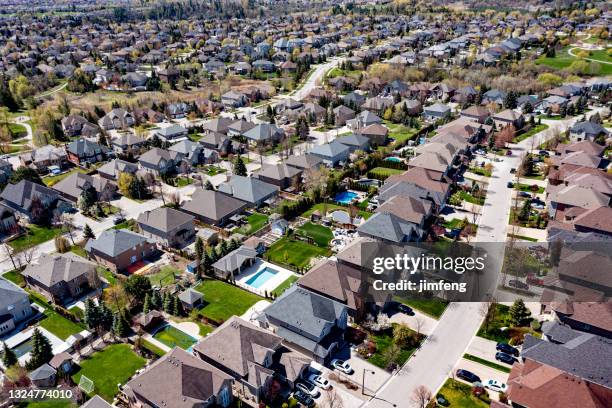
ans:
x=146 y=307
x=41 y=352
x=120 y=325
x=137 y=286
x=25 y=173
x=106 y=316
x=156 y=302
x=239 y=167
x=402 y=335
x=519 y=314
x=88 y=232
x=9 y=358
x=92 y=316
x=88 y=198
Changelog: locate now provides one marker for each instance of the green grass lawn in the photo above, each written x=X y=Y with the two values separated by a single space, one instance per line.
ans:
x=563 y=59
x=107 y=274
x=214 y=170
x=466 y=196
x=52 y=180
x=78 y=250
x=459 y=394
x=296 y=253
x=486 y=362
x=153 y=348
x=223 y=300
x=15 y=277
x=285 y=285
x=17 y=130
x=400 y=133
x=320 y=234
x=431 y=307
x=502 y=319
x=255 y=222
x=480 y=171
x=63 y=403
x=165 y=276
x=35 y=235
x=383 y=341
x=183 y=181
x=77 y=312
x=329 y=207
x=384 y=172
x=530 y=132
x=109 y=367
x=59 y=325
x=171 y=337
x=527 y=188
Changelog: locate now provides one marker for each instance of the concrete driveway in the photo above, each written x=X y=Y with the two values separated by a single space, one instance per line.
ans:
x=484 y=372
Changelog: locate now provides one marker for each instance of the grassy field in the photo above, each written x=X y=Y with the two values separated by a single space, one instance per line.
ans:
x=563 y=59
x=109 y=367
x=296 y=253
x=527 y=188
x=459 y=394
x=481 y=171
x=320 y=234
x=329 y=207
x=400 y=133
x=59 y=325
x=36 y=235
x=152 y=348
x=285 y=285
x=255 y=222
x=222 y=300
x=466 y=196
x=171 y=337
x=17 y=130
x=165 y=276
x=431 y=307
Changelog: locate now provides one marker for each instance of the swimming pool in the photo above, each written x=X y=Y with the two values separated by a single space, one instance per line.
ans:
x=394 y=159
x=261 y=277
x=346 y=197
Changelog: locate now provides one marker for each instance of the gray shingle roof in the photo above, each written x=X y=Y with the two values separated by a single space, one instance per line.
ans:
x=389 y=227
x=248 y=189
x=115 y=242
x=212 y=204
x=23 y=192
x=235 y=259
x=10 y=294
x=54 y=268
x=164 y=219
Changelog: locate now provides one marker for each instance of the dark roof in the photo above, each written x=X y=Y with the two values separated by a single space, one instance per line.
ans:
x=114 y=242
x=164 y=219
x=22 y=193
x=212 y=204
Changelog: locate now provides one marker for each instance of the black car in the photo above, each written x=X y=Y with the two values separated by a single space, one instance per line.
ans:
x=468 y=375
x=405 y=309
x=504 y=358
x=515 y=283
x=510 y=184
x=303 y=398
x=508 y=349
x=544 y=153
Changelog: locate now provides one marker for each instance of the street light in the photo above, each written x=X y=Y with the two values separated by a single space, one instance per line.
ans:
x=363 y=380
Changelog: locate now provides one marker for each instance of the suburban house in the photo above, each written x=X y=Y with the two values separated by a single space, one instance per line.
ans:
x=264 y=133
x=234 y=99
x=342 y=115
x=167 y=226
x=14 y=306
x=239 y=127
x=251 y=190
x=84 y=152
x=119 y=249
x=281 y=175
x=388 y=227
x=310 y=323
x=127 y=143
x=160 y=161
x=171 y=133
x=436 y=112
x=234 y=263
x=8 y=222
x=331 y=153
x=182 y=379
x=364 y=119
x=75 y=184
x=42 y=158
x=254 y=357
x=78 y=126
x=194 y=153
x=509 y=117
x=376 y=133
x=118 y=119
x=476 y=113
x=213 y=207
x=61 y=277
x=587 y=131
x=115 y=167
x=304 y=162
x=20 y=198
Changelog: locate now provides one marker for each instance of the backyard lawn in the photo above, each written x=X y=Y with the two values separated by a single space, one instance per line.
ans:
x=35 y=235
x=329 y=207
x=171 y=337
x=296 y=253
x=15 y=277
x=52 y=180
x=59 y=325
x=383 y=172
x=320 y=234
x=285 y=285
x=223 y=300
x=255 y=222
x=165 y=276
x=109 y=367
x=459 y=394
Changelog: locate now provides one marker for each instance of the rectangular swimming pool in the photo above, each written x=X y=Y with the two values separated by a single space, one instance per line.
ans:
x=261 y=277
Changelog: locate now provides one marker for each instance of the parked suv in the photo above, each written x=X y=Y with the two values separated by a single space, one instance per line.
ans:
x=508 y=349
x=467 y=376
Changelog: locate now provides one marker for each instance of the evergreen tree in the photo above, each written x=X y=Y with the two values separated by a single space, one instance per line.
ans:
x=176 y=306
x=9 y=358
x=156 y=302
x=146 y=307
x=88 y=233
x=199 y=248
x=239 y=167
x=206 y=263
x=106 y=316
x=510 y=100
x=41 y=352
x=92 y=315
x=167 y=303
x=519 y=314
x=120 y=325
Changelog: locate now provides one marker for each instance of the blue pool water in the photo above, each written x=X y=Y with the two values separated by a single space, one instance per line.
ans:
x=345 y=197
x=261 y=277
x=393 y=159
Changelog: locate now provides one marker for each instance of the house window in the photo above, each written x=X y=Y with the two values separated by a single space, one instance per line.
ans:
x=133 y=259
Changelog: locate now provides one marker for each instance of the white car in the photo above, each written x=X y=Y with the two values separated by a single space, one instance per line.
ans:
x=342 y=365
x=308 y=388
x=319 y=381
x=495 y=385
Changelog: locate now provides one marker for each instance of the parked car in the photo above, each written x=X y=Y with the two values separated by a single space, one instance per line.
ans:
x=118 y=220
x=510 y=184
x=544 y=153
x=533 y=280
x=304 y=399
x=405 y=309
x=504 y=358
x=319 y=381
x=509 y=153
x=308 y=388
x=512 y=170
x=506 y=348
x=467 y=376
x=495 y=385
x=342 y=365
x=515 y=283
x=524 y=194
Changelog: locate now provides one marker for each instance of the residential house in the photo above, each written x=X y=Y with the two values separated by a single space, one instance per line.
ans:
x=436 y=112
x=304 y=162
x=120 y=249
x=234 y=263
x=194 y=153
x=128 y=143
x=159 y=161
x=113 y=169
x=61 y=277
x=180 y=380
x=476 y=113
x=42 y=158
x=588 y=317
x=331 y=153
x=14 y=306
x=494 y=96
x=509 y=117
x=264 y=133
x=388 y=227
x=117 y=119
x=376 y=133
x=212 y=207
x=281 y=175
x=172 y=133
x=587 y=131
x=178 y=110
x=234 y=99
x=78 y=126
x=251 y=190
x=84 y=152
x=24 y=198
x=355 y=141
x=364 y=119
x=8 y=222
x=239 y=127
x=72 y=187
x=310 y=323
x=167 y=226
x=342 y=115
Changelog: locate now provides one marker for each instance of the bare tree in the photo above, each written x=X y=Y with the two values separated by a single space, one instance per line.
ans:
x=68 y=226
x=28 y=255
x=421 y=396
x=333 y=400
x=419 y=322
x=10 y=252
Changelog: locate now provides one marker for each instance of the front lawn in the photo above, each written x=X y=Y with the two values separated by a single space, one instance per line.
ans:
x=59 y=325
x=431 y=307
x=15 y=277
x=320 y=234
x=172 y=337
x=481 y=171
x=530 y=132
x=222 y=300
x=528 y=188
x=459 y=394
x=466 y=196
x=493 y=331
x=295 y=253
x=35 y=235
x=165 y=276
x=183 y=181
x=285 y=285
x=78 y=250
x=255 y=222
x=116 y=364
x=384 y=340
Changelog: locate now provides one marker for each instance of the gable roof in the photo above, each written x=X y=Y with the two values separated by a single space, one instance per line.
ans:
x=278 y=171
x=114 y=242
x=334 y=280
x=22 y=193
x=10 y=294
x=390 y=227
